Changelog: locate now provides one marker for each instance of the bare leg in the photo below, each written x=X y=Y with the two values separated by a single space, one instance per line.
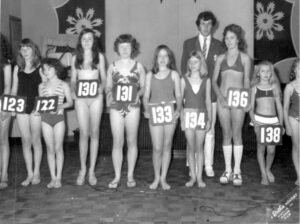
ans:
x=4 y=150
x=261 y=162
x=35 y=124
x=157 y=136
x=117 y=123
x=166 y=154
x=82 y=111
x=200 y=140
x=24 y=126
x=131 y=124
x=95 y=115
x=191 y=148
x=296 y=144
x=59 y=133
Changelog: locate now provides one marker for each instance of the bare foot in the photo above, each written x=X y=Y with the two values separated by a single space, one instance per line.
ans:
x=165 y=186
x=201 y=184
x=51 y=184
x=92 y=179
x=27 y=181
x=57 y=183
x=154 y=185
x=270 y=176
x=264 y=181
x=190 y=183
x=36 y=179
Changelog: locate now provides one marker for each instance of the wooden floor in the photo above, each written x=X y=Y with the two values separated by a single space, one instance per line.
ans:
x=71 y=204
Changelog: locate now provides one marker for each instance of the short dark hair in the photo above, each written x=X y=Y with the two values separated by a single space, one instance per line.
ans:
x=238 y=31
x=54 y=63
x=206 y=15
x=127 y=38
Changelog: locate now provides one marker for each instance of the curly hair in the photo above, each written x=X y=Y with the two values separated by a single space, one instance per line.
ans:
x=127 y=38
x=79 y=50
x=292 y=75
x=54 y=63
x=238 y=31
x=206 y=15
x=36 y=55
x=171 y=65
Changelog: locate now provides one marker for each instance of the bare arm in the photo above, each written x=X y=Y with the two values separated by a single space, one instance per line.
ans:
x=142 y=81
x=101 y=68
x=15 y=84
x=7 y=79
x=215 y=80
x=286 y=105
x=278 y=104
x=73 y=75
x=108 y=87
x=146 y=96
x=68 y=95
x=252 y=99
x=176 y=79
x=247 y=68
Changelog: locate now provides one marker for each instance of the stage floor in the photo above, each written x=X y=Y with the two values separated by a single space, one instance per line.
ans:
x=250 y=203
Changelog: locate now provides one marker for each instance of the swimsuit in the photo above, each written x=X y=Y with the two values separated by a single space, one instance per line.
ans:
x=133 y=78
x=28 y=87
x=294 y=105
x=51 y=118
x=192 y=99
x=265 y=119
x=162 y=90
x=237 y=66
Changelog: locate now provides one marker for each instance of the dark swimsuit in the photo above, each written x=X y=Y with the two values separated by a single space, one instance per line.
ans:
x=294 y=105
x=29 y=87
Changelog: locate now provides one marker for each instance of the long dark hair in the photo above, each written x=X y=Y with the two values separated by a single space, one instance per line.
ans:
x=79 y=50
x=171 y=65
x=239 y=32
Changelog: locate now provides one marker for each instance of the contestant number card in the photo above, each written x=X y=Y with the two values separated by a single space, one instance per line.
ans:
x=87 y=88
x=238 y=97
x=46 y=104
x=161 y=114
x=15 y=104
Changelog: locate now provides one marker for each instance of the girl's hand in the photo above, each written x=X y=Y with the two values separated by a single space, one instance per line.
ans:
x=176 y=114
x=42 y=74
x=137 y=99
x=208 y=126
x=146 y=115
x=288 y=130
x=182 y=126
x=248 y=108
x=35 y=113
x=223 y=102
x=109 y=98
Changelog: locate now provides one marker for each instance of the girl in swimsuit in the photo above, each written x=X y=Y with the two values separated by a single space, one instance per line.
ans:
x=266 y=108
x=53 y=124
x=125 y=86
x=162 y=87
x=196 y=89
x=88 y=81
x=234 y=69
x=5 y=87
x=26 y=79
x=291 y=112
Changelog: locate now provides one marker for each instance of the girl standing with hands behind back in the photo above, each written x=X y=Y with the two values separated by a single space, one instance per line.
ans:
x=162 y=90
x=88 y=82
x=291 y=113
x=195 y=89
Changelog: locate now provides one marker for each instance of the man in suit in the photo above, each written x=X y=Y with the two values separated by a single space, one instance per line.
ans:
x=210 y=48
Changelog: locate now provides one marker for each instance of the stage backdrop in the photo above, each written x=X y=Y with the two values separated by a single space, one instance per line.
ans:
x=277 y=33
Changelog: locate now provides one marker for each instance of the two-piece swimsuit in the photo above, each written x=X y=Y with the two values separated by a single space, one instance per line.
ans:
x=53 y=118
x=133 y=78
x=265 y=119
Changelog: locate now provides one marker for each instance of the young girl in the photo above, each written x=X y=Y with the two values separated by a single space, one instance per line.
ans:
x=53 y=124
x=195 y=89
x=128 y=76
x=266 y=108
x=88 y=73
x=291 y=112
x=162 y=87
x=5 y=87
x=26 y=79
x=233 y=67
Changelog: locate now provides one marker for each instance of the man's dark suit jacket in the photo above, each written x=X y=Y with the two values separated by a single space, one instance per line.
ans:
x=214 y=50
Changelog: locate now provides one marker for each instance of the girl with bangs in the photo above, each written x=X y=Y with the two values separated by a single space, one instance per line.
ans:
x=88 y=82
x=26 y=79
x=125 y=86
x=266 y=109
x=5 y=88
x=162 y=90
x=195 y=90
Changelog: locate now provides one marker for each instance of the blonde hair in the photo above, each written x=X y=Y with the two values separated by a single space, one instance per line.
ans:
x=256 y=79
x=200 y=57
